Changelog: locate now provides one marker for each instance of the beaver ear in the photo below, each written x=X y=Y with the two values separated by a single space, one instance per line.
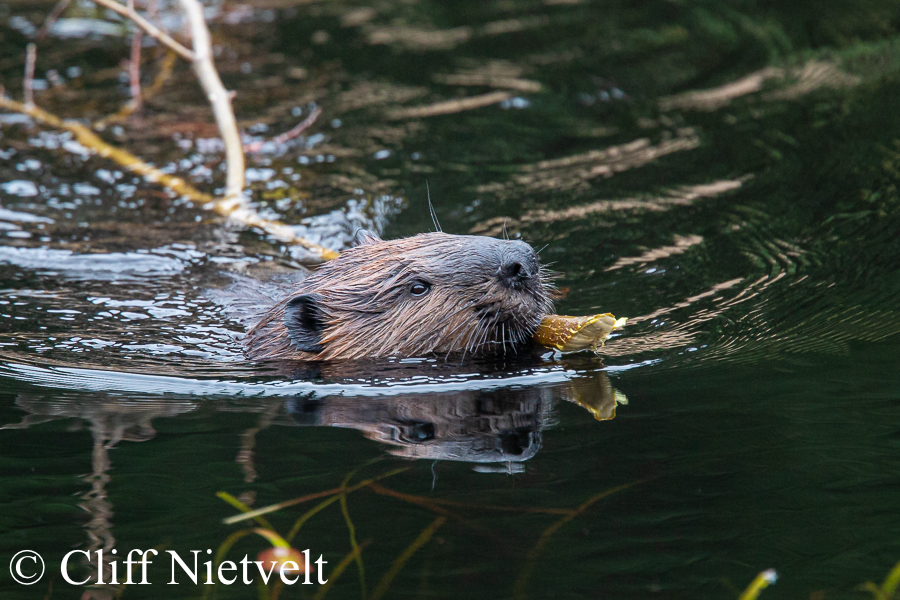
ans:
x=364 y=237
x=304 y=323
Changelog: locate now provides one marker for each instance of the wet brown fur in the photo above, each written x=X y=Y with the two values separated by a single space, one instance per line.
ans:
x=364 y=307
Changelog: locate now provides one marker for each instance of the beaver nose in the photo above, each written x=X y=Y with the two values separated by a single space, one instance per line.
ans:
x=512 y=273
x=516 y=441
x=518 y=264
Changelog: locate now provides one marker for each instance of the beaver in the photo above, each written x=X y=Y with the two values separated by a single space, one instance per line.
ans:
x=432 y=293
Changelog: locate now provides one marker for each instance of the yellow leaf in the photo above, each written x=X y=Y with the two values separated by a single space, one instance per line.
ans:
x=572 y=334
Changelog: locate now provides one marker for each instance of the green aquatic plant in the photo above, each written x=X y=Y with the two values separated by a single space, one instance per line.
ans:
x=761 y=582
x=422 y=539
x=279 y=554
x=521 y=585
x=351 y=528
x=440 y=508
x=282 y=549
x=252 y=514
x=888 y=589
x=339 y=569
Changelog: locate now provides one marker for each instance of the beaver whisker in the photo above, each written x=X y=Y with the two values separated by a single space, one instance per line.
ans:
x=547 y=275
x=457 y=335
x=482 y=307
x=469 y=338
x=461 y=339
x=472 y=335
x=484 y=336
x=431 y=210
x=480 y=339
x=473 y=338
x=517 y=327
x=466 y=347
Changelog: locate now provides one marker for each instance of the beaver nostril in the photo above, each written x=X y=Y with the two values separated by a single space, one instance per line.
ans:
x=416 y=432
x=513 y=273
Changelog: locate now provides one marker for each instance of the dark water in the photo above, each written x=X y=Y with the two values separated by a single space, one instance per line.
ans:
x=725 y=174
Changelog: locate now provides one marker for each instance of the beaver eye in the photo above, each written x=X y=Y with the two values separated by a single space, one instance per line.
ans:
x=419 y=288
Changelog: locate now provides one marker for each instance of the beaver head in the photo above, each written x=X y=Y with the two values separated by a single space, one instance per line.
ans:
x=432 y=293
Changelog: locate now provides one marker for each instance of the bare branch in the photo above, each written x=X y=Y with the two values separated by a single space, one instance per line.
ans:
x=218 y=97
x=57 y=11
x=151 y=29
x=90 y=140
x=233 y=205
x=134 y=71
x=28 y=83
x=165 y=72
x=234 y=208
x=448 y=107
x=288 y=135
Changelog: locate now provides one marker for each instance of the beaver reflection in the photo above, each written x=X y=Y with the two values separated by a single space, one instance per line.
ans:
x=486 y=426
x=495 y=426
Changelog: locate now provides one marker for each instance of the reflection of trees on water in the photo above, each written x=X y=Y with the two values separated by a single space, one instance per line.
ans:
x=110 y=420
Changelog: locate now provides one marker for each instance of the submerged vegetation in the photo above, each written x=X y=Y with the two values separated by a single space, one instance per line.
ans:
x=444 y=511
